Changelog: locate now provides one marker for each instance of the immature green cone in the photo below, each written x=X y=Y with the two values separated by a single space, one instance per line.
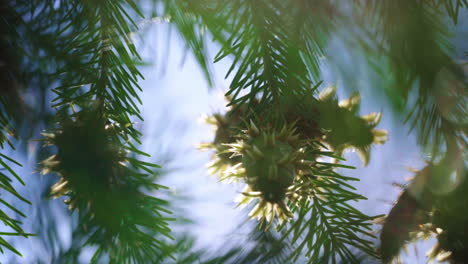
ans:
x=92 y=171
x=106 y=188
x=405 y=218
x=431 y=205
x=89 y=164
x=344 y=129
x=224 y=126
x=269 y=163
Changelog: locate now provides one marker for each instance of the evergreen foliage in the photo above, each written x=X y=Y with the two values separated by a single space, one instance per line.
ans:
x=281 y=136
x=9 y=98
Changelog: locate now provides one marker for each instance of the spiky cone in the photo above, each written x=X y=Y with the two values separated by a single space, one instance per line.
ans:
x=264 y=211
x=344 y=129
x=450 y=217
x=270 y=161
x=86 y=158
x=107 y=193
x=439 y=191
x=405 y=217
x=225 y=126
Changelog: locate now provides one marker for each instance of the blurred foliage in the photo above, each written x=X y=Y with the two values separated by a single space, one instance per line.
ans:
x=432 y=206
x=10 y=102
x=83 y=51
x=106 y=188
x=421 y=75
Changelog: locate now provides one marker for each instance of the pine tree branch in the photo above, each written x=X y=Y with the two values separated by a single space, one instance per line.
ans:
x=311 y=24
x=262 y=50
x=415 y=41
x=96 y=101
x=452 y=7
x=183 y=16
x=327 y=225
x=268 y=66
x=9 y=97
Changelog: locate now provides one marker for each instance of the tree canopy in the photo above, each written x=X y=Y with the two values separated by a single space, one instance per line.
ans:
x=283 y=136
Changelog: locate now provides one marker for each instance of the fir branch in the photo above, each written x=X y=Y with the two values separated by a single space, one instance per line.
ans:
x=415 y=40
x=255 y=34
x=268 y=62
x=452 y=7
x=105 y=66
x=327 y=225
x=184 y=16
x=96 y=100
x=282 y=166
x=107 y=188
x=9 y=95
x=310 y=24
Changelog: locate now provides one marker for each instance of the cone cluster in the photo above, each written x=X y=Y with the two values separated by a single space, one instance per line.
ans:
x=275 y=161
